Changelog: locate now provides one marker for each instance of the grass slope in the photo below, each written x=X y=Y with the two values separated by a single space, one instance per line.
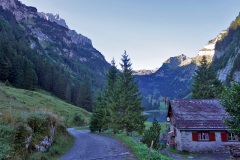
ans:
x=24 y=101
x=17 y=105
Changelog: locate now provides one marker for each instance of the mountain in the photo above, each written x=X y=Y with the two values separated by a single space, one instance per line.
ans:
x=226 y=60
x=39 y=50
x=144 y=71
x=174 y=78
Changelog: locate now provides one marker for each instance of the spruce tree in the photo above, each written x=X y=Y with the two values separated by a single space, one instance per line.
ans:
x=111 y=96
x=128 y=110
x=205 y=84
x=98 y=122
x=102 y=117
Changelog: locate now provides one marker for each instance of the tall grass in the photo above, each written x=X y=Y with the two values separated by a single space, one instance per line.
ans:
x=19 y=109
x=140 y=150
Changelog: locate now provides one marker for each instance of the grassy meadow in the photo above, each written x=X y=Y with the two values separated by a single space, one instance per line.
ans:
x=19 y=106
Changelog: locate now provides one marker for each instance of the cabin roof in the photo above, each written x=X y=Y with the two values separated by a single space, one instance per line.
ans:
x=198 y=114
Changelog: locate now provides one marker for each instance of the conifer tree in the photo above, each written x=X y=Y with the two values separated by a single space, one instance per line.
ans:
x=102 y=116
x=98 y=122
x=111 y=96
x=205 y=85
x=128 y=110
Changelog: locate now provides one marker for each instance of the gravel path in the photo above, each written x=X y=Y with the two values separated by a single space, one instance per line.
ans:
x=90 y=146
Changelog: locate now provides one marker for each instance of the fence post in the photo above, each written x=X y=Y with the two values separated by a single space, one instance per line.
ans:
x=150 y=151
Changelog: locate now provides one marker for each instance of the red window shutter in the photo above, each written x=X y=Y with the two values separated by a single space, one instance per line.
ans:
x=194 y=136
x=175 y=132
x=224 y=137
x=212 y=136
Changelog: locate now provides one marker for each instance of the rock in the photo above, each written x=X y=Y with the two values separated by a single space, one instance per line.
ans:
x=209 y=48
x=53 y=18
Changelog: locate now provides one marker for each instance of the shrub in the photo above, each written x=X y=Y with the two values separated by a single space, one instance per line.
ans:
x=22 y=131
x=78 y=119
x=152 y=134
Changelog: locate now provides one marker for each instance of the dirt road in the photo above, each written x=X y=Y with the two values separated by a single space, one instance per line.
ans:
x=90 y=146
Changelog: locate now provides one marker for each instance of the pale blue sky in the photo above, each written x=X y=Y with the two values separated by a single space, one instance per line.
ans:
x=149 y=30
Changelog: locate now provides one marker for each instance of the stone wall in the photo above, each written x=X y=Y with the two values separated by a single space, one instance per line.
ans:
x=202 y=146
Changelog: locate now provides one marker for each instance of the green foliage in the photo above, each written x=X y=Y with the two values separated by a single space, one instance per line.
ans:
x=152 y=134
x=230 y=100
x=103 y=113
x=206 y=85
x=127 y=114
x=22 y=130
x=78 y=119
x=140 y=150
x=119 y=107
x=99 y=119
x=85 y=99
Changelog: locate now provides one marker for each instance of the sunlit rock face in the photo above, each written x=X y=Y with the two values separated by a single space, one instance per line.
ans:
x=209 y=48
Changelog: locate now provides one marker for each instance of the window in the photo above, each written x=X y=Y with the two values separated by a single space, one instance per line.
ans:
x=203 y=136
x=228 y=136
x=232 y=137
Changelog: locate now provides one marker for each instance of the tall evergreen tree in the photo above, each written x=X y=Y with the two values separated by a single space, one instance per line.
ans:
x=128 y=111
x=110 y=95
x=205 y=84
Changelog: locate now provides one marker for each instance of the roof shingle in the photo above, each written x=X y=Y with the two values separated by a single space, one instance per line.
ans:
x=199 y=114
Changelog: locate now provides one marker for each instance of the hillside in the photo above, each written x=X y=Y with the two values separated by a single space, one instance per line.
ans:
x=226 y=61
x=20 y=109
x=39 y=50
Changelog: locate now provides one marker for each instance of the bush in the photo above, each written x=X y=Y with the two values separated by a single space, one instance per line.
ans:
x=78 y=119
x=152 y=134
x=21 y=132
x=141 y=151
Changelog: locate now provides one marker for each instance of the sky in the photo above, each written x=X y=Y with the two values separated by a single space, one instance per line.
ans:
x=150 y=31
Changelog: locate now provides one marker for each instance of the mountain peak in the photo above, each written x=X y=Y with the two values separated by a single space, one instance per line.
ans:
x=174 y=62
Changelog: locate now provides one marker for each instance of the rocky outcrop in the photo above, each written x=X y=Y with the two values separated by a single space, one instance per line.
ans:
x=18 y=9
x=23 y=12
x=209 y=48
x=78 y=38
x=226 y=59
x=47 y=141
x=53 y=18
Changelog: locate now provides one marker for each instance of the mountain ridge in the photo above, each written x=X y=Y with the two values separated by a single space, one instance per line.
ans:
x=57 y=57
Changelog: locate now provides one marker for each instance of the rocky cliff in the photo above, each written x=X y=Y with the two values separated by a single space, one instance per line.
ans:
x=23 y=13
x=226 y=60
